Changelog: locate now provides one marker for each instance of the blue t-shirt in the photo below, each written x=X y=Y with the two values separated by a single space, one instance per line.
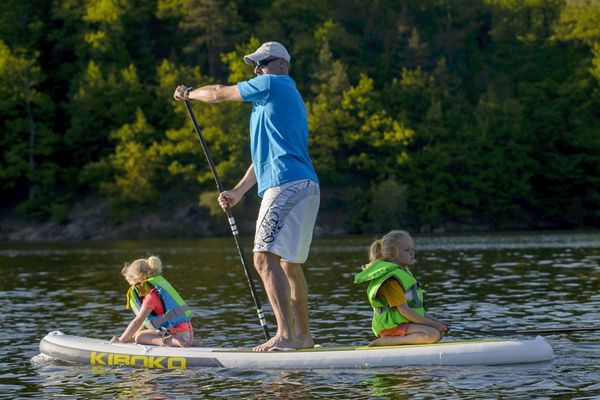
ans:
x=278 y=131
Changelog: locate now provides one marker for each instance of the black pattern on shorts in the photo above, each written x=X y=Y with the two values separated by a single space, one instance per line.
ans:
x=274 y=218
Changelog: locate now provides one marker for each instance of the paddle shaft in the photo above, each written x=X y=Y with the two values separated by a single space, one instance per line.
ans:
x=232 y=224
x=508 y=332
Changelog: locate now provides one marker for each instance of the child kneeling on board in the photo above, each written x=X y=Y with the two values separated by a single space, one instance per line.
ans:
x=398 y=313
x=157 y=307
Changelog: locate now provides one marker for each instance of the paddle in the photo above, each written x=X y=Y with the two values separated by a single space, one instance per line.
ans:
x=232 y=224
x=508 y=332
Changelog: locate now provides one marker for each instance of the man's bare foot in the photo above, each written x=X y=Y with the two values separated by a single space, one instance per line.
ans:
x=277 y=342
x=308 y=343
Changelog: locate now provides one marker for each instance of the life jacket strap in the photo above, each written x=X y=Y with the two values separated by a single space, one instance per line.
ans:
x=176 y=312
x=127 y=297
x=412 y=297
x=415 y=303
x=411 y=302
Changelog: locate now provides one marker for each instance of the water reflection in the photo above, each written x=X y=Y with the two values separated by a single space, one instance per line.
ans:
x=510 y=280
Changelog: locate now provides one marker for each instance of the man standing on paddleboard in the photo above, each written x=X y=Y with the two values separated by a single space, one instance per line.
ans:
x=287 y=183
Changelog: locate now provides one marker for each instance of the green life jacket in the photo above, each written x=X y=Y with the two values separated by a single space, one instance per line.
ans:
x=176 y=311
x=384 y=316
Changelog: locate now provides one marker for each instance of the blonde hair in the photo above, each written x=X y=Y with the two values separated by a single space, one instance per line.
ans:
x=383 y=248
x=142 y=269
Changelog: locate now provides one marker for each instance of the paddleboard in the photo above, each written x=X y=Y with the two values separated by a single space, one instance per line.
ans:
x=82 y=350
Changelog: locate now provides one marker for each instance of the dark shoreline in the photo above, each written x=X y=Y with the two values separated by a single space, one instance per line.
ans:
x=91 y=221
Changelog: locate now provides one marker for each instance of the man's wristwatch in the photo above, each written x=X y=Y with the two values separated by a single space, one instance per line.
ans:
x=186 y=94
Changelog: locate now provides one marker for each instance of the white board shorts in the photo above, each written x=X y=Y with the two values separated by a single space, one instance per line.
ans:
x=286 y=220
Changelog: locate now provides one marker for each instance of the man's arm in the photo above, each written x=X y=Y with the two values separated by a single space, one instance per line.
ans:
x=209 y=93
x=232 y=197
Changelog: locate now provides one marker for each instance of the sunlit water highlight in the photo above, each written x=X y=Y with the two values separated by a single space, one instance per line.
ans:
x=508 y=280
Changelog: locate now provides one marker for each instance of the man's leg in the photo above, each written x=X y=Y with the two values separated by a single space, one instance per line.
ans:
x=299 y=302
x=284 y=228
x=277 y=287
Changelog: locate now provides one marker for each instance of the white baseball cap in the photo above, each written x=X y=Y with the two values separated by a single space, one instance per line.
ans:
x=268 y=49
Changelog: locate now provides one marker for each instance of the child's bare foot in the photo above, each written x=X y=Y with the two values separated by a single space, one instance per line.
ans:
x=172 y=341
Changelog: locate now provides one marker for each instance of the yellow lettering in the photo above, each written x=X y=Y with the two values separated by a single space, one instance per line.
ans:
x=180 y=361
x=121 y=359
x=139 y=361
x=96 y=358
x=155 y=362
x=143 y=359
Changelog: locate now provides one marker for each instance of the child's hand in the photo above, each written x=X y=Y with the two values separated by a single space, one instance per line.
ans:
x=115 y=339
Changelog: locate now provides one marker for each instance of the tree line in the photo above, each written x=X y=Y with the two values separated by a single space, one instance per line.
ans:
x=422 y=113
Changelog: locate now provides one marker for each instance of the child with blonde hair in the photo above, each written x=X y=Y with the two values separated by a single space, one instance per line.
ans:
x=397 y=299
x=157 y=307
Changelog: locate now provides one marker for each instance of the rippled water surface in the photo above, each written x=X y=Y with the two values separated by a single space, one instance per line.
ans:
x=505 y=280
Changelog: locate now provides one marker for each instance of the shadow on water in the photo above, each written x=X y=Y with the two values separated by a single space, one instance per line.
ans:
x=508 y=280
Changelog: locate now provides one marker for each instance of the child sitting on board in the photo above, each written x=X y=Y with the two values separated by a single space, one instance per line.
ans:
x=395 y=295
x=157 y=307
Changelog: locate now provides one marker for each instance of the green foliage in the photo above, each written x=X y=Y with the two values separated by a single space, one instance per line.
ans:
x=376 y=143
x=171 y=8
x=524 y=20
x=103 y=101
x=59 y=212
x=27 y=140
x=136 y=164
x=427 y=113
x=14 y=143
x=208 y=200
x=211 y=25
x=579 y=21
x=238 y=69
x=389 y=207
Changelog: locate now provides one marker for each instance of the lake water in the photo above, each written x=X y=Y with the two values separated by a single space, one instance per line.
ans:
x=517 y=280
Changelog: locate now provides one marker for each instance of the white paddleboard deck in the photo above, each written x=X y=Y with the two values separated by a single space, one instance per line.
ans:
x=81 y=350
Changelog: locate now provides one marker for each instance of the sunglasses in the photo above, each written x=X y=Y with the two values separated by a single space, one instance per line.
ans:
x=263 y=63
